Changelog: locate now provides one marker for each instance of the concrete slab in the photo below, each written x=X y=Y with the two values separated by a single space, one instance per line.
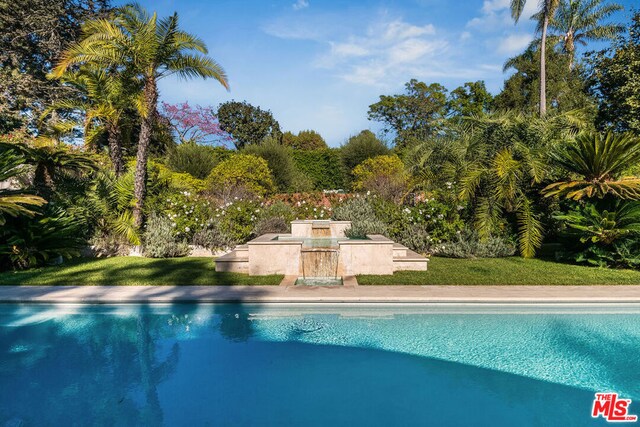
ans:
x=310 y=294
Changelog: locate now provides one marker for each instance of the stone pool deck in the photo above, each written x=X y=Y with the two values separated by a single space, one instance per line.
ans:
x=344 y=294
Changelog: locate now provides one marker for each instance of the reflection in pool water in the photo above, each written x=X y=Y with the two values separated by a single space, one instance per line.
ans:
x=313 y=365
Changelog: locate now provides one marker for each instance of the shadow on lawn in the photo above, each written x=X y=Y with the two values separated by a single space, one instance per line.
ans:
x=143 y=271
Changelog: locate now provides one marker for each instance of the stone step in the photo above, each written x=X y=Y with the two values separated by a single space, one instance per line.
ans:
x=233 y=262
x=241 y=249
x=411 y=261
x=399 y=250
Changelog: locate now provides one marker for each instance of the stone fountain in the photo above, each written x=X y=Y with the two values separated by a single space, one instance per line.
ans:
x=317 y=251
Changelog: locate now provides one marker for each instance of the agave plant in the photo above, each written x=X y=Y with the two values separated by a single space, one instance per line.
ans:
x=600 y=163
x=14 y=202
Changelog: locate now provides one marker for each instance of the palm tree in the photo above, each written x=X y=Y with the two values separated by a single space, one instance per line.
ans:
x=600 y=162
x=105 y=97
x=544 y=15
x=149 y=49
x=51 y=160
x=15 y=202
x=579 y=21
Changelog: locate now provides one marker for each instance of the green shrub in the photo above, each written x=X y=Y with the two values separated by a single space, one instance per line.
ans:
x=212 y=237
x=469 y=245
x=605 y=233
x=196 y=160
x=361 y=147
x=31 y=242
x=180 y=181
x=279 y=160
x=241 y=174
x=187 y=211
x=362 y=216
x=160 y=240
x=273 y=224
x=237 y=219
x=383 y=175
x=417 y=238
x=323 y=167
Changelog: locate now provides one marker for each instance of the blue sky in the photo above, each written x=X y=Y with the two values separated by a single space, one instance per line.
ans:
x=319 y=64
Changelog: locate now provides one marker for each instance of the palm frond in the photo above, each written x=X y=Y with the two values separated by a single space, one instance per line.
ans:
x=529 y=229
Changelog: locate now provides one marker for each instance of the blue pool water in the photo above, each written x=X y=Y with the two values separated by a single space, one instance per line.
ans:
x=277 y=365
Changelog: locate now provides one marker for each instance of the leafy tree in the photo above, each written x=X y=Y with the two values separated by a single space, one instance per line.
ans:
x=566 y=89
x=615 y=81
x=305 y=140
x=33 y=34
x=470 y=99
x=361 y=147
x=279 y=161
x=150 y=49
x=545 y=14
x=241 y=172
x=580 y=21
x=600 y=162
x=383 y=175
x=194 y=124
x=417 y=113
x=247 y=124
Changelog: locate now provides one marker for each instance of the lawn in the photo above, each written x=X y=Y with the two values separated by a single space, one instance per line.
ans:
x=505 y=271
x=200 y=271
x=134 y=271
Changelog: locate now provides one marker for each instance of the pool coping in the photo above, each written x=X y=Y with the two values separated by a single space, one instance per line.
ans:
x=345 y=294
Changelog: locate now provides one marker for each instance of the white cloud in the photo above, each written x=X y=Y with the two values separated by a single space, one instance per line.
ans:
x=300 y=4
x=514 y=43
x=384 y=51
x=495 y=15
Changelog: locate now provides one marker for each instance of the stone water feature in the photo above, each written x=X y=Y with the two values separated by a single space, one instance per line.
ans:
x=318 y=252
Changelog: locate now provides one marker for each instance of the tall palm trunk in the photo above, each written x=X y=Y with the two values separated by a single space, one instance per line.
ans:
x=543 y=65
x=115 y=151
x=43 y=181
x=146 y=127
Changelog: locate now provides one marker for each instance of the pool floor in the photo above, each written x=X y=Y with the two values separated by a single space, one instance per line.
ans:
x=313 y=365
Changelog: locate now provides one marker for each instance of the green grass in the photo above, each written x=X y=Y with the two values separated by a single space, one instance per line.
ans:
x=505 y=271
x=134 y=271
x=200 y=271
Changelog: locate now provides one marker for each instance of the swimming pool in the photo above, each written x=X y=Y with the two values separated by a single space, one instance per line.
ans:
x=237 y=365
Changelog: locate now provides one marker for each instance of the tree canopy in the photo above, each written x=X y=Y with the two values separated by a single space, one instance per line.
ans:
x=247 y=124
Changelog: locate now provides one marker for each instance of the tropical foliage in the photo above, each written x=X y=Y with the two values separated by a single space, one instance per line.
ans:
x=551 y=159
x=600 y=162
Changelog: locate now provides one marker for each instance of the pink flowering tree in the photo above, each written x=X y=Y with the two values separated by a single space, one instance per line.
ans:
x=195 y=124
